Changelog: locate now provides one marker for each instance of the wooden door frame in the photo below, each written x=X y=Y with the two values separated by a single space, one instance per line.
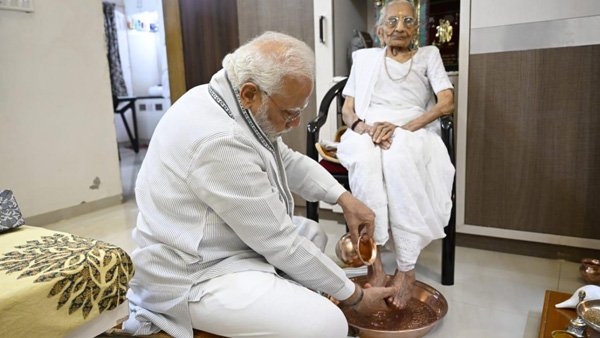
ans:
x=174 y=42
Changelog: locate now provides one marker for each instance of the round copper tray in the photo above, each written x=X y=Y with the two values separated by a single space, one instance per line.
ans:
x=426 y=308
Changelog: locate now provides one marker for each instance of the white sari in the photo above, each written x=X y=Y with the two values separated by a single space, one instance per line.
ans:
x=409 y=185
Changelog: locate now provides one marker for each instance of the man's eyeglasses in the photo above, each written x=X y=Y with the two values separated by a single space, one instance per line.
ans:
x=290 y=114
x=393 y=21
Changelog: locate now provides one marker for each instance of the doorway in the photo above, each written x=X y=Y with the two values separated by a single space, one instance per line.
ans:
x=144 y=94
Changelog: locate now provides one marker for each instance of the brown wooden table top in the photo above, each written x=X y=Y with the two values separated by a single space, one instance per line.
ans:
x=558 y=319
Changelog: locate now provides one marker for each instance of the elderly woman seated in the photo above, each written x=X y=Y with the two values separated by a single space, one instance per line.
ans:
x=397 y=162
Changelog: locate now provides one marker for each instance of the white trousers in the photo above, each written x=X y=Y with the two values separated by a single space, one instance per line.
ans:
x=408 y=187
x=262 y=304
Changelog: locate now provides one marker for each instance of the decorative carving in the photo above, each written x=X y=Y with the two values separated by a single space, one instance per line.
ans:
x=444 y=32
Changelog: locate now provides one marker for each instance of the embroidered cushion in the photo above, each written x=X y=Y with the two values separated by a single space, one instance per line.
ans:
x=10 y=214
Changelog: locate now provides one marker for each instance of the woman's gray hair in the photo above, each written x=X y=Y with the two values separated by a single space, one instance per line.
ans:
x=267 y=59
x=384 y=9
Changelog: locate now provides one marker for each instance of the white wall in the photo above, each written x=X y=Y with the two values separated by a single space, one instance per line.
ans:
x=512 y=25
x=490 y=13
x=347 y=17
x=56 y=119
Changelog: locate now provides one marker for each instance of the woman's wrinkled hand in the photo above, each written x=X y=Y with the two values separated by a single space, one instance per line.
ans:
x=381 y=133
x=385 y=145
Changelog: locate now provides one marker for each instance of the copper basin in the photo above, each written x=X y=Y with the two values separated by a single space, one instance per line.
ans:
x=425 y=310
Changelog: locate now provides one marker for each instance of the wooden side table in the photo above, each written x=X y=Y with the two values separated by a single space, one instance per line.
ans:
x=558 y=319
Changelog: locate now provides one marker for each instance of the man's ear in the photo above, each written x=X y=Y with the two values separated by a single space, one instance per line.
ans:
x=248 y=94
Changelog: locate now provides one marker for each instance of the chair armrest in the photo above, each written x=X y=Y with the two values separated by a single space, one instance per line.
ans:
x=313 y=127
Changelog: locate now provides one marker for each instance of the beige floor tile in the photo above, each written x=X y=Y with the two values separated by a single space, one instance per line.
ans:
x=570 y=278
x=471 y=321
x=494 y=295
x=112 y=225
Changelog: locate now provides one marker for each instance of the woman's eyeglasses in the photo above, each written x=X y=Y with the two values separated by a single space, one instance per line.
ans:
x=393 y=21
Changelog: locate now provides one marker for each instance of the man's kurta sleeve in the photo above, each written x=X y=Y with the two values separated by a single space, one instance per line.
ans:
x=308 y=178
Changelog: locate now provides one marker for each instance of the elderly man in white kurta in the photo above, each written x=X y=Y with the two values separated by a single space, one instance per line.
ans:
x=397 y=162
x=216 y=230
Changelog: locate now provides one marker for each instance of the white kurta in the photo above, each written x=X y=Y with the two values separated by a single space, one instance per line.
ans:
x=409 y=185
x=214 y=199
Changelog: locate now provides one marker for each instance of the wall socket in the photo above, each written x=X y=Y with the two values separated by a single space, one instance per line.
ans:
x=17 y=5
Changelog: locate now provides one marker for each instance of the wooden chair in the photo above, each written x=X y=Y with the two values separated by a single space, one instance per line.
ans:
x=341 y=174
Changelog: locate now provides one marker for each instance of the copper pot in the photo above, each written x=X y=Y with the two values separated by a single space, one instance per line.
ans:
x=590 y=270
x=364 y=254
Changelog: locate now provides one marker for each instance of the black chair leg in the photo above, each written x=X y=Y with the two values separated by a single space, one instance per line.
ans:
x=312 y=211
x=127 y=129
x=449 y=248
x=136 y=141
x=133 y=136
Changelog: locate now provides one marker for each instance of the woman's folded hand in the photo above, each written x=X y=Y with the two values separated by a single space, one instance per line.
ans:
x=381 y=133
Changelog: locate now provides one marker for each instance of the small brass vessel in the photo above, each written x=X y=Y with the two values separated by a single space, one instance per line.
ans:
x=354 y=256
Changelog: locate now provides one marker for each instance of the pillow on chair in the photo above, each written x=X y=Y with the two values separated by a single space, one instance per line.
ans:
x=328 y=149
x=10 y=214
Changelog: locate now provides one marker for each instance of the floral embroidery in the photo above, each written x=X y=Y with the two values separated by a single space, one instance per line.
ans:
x=84 y=271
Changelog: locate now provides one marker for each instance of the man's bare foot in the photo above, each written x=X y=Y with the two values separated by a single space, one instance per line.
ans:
x=404 y=282
x=375 y=273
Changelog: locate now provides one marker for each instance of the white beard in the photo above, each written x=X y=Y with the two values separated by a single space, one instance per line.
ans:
x=262 y=119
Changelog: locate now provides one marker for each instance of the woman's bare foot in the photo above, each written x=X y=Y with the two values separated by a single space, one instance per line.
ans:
x=404 y=282
x=375 y=273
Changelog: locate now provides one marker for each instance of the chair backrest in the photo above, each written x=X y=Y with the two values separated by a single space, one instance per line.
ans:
x=313 y=127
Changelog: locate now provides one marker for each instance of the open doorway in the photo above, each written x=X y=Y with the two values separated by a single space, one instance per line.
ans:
x=139 y=78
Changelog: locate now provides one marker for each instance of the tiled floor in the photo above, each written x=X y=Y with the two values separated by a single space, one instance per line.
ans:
x=494 y=295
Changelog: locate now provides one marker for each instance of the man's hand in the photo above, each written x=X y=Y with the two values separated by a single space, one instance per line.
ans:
x=373 y=300
x=357 y=216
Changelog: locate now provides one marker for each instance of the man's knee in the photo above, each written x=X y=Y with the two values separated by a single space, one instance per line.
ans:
x=330 y=323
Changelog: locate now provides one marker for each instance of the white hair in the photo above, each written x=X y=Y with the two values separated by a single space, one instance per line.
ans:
x=267 y=59
x=384 y=9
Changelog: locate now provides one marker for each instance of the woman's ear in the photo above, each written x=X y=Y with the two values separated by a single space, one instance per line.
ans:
x=379 y=33
x=248 y=94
